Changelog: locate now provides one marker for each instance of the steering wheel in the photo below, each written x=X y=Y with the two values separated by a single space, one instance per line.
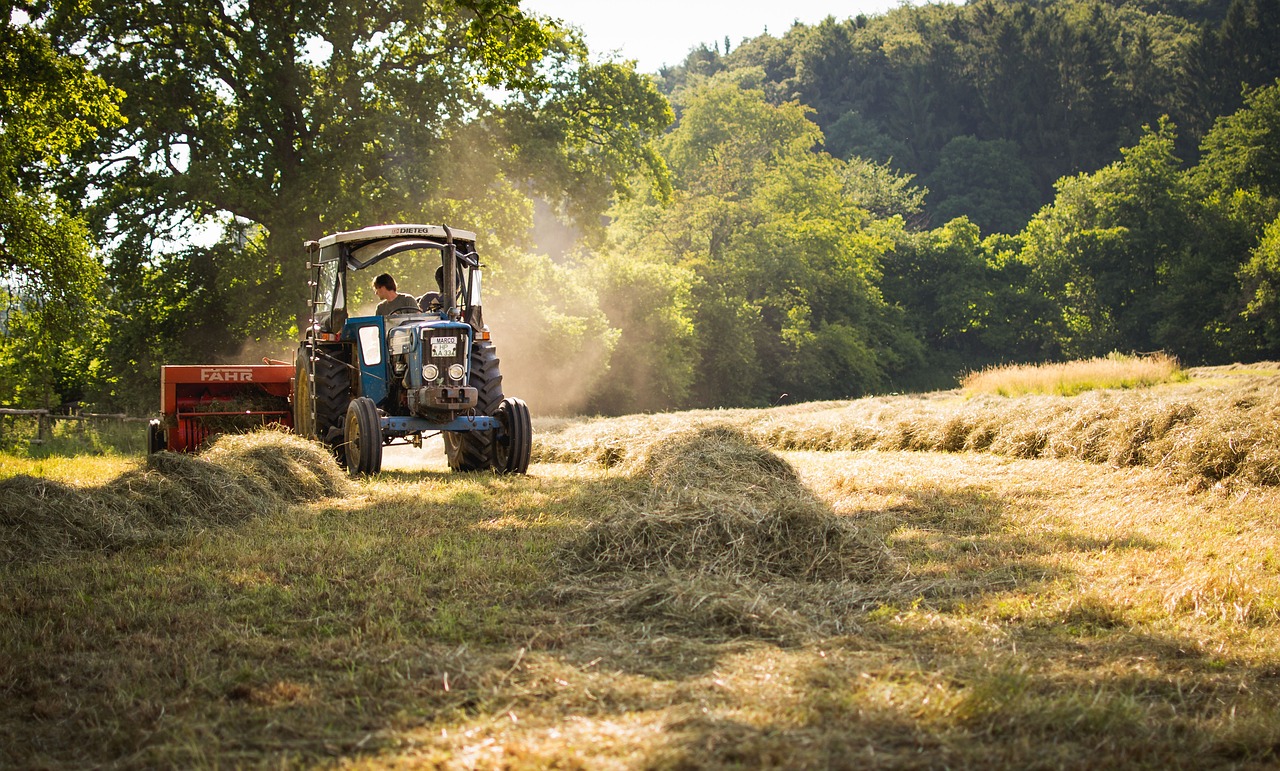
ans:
x=406 y=311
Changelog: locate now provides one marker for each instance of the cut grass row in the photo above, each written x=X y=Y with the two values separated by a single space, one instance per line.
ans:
x=1200 y=433
x=168 y=496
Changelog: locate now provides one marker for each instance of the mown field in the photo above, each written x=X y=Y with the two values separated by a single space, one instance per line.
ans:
x=944 y=580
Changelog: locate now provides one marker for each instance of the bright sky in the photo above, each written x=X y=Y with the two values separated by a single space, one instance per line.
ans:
x=658 y=32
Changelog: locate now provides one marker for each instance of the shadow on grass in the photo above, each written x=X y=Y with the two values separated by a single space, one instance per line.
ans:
x=1125 y=699
x=294 y=635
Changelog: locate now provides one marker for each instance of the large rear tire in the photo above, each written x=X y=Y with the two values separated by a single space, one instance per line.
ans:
x=473 y=450
x=362 y=437
x=333 y=394
x=513 y=439
x=302 y=424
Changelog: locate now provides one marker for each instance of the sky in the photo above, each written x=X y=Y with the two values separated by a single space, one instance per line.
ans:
x=658 y=32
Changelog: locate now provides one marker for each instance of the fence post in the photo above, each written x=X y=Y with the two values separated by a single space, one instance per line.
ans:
x=44 y=424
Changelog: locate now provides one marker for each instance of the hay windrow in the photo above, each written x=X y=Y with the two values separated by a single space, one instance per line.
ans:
x=1212 y=432
x=239 y=477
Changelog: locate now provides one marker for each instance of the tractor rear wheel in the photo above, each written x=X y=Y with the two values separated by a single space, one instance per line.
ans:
x=473 y=450
x=302 y=425
x=332 y=395
x=513 y=439
x=362 y=439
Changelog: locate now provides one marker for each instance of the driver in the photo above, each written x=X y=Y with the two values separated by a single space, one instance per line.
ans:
x=384 y=286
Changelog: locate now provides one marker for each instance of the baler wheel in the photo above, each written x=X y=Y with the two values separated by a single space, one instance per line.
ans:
x=301 y=396
x=156 y=440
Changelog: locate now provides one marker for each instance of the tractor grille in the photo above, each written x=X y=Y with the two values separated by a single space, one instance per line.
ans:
x=444 y=360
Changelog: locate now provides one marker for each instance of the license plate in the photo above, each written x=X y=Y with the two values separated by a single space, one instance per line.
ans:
x=444 y=347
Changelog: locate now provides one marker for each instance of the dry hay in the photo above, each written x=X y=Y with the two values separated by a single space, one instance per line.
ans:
x=238 y=413
x=722 y=538
x=716 y=503
x=239 y=477
x=716 y=606
x=1208 y=434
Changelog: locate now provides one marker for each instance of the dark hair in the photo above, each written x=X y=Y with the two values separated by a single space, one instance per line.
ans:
x=385 y=281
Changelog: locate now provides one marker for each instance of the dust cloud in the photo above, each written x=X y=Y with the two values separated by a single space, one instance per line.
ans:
x=554 y=376
x=254 y=351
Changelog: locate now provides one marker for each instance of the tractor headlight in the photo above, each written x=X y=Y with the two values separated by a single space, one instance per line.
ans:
x=456 y=371
x=430 y=372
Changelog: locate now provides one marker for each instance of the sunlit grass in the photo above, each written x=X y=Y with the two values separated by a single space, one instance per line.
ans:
x=1207 y=431
x=1075 y=377
x=70 y=469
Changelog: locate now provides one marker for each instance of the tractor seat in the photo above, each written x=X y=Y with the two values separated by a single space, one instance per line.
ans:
x=429 y=302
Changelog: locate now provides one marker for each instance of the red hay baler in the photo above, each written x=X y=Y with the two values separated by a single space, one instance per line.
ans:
x=201 y=401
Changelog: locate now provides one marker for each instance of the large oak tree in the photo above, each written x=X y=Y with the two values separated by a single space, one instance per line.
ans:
x=282 y=120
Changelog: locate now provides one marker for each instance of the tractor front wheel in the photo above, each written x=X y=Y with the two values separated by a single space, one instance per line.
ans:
x=473 y=450
x=513 y=439
x=363 y=437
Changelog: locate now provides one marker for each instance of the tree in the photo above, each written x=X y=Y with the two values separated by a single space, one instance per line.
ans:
x=294 y=119
x=985 y=181
x=1261 y=276
x=1134 y=261
x=855 y=136
x=940 y=279
x=49 y=279
x=654 y=362
x=1242 y=150
x=1240 y=53
x=881 y=191
x=785 y=298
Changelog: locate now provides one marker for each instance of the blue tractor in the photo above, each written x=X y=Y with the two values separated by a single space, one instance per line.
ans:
x=363 y=382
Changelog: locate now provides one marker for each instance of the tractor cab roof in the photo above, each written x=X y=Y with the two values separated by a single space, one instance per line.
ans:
x=367 y=246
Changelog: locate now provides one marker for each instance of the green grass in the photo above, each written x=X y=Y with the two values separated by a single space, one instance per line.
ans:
x=1042 y=612
x=72 y=438
x=71 y=469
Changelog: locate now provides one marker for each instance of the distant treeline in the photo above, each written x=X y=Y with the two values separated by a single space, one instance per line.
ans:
x=863 y=205
x=989 y=104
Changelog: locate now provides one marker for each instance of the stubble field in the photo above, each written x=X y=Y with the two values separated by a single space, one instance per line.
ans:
x=899 y=582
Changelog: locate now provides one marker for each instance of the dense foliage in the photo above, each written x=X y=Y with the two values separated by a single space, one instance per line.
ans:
x=49 y=280
x=1023 y=182
x=990 y=103
x=270 y=123
x=855 y=206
